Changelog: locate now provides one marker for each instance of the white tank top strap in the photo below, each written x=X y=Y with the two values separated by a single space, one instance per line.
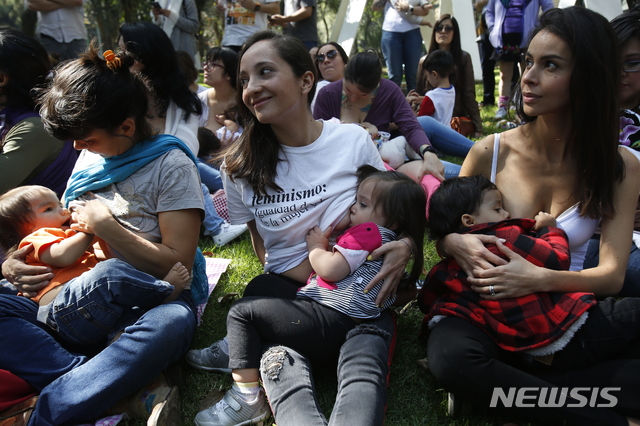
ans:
x=494 y=160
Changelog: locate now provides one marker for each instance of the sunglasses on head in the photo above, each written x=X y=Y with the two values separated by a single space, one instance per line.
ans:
x=330 y=54
x=445 y=28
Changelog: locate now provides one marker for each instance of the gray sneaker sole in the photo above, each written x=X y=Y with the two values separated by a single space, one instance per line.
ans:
x=205 y=368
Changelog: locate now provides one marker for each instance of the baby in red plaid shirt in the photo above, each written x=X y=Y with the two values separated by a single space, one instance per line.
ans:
x=540 y=323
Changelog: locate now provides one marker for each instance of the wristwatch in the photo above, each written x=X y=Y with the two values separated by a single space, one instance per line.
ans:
x=257 y=7
x=410 y=9
x=427 y=148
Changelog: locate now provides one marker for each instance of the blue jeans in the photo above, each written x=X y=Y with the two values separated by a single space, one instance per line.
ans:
x=363 y=365
x=444 y=138
x=211 y=222
x=209 y=175
x=631 y=286
x=90 y=306
x=402 y=49
x=451 y=169
x=75 y=389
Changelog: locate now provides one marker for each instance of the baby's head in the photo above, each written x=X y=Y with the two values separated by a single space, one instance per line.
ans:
x=388 y=199
x=395 y=201
x=464 y=201
x=208 y=141
x=26 y=209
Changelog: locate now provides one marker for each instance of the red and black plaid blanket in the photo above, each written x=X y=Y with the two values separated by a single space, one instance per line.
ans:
x=515 y=324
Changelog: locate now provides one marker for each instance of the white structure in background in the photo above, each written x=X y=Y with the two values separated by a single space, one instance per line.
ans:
x=607 y=8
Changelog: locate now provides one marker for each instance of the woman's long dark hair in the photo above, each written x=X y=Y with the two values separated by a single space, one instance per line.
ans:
x=151 y=46
x=455 y=49
x=255 y=155
x=594 y=91
x=26 y=63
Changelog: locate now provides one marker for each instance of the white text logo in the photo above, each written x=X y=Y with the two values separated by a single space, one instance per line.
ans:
x=553 y=397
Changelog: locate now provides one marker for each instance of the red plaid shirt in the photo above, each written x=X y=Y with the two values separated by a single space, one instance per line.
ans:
x=515 y=324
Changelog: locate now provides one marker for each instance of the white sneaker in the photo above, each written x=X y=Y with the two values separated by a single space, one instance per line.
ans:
x=228 y=232
x=500 y=113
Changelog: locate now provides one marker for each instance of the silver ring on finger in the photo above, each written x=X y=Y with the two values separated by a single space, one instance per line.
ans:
x=492 y=290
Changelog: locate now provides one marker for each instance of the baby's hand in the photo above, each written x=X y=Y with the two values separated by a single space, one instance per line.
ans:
x=318 y=239
x=544 y=219
x=231 y=125
x=373 y=130
x=90 y=217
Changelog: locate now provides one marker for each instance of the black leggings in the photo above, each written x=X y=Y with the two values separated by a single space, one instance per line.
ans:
x=605 y=352
x=272 y=285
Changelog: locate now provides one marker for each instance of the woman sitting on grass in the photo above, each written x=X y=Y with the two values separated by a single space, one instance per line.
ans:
x=285 y=175
x=446 y=36
x=566 y=161
x=149 y=216
x=333 y=302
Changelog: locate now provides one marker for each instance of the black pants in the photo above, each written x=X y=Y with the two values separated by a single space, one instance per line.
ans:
x=605 y=352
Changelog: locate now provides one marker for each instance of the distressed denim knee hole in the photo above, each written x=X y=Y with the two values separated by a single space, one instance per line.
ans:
x=367 y=329
x=272 y=362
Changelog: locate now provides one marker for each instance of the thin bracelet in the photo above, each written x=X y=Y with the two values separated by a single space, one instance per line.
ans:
x=408 y=245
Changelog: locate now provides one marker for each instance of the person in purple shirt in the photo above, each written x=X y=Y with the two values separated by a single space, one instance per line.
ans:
x=364 y=97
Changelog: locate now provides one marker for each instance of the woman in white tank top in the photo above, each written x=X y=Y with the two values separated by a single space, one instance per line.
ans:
x=564 y=161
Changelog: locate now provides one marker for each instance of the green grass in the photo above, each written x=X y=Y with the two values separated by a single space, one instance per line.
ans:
x=414 y=396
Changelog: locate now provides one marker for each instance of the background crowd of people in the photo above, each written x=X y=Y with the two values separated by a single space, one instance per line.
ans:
x=331 y=167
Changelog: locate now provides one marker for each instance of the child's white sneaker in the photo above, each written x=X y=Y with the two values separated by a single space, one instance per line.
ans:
x=228 y=232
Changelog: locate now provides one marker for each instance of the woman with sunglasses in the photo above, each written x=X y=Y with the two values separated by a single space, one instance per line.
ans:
x=330 y=61
x=627 y=29
x=509 y=23
x=446 y=36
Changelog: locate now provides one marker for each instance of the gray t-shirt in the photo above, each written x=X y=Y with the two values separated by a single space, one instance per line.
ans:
x=170 y=182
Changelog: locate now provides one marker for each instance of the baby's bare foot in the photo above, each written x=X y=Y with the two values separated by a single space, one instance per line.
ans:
x=178 y=277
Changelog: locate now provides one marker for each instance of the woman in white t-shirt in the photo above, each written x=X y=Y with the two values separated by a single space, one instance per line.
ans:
x=286 y=174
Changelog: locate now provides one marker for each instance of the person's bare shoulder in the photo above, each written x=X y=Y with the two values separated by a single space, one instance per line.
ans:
x=478 y=160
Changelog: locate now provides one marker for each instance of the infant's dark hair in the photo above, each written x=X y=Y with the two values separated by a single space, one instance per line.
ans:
x=208 y=141
x=454 y=198
x=16 y=215
x=401 y=201
x=439 y=61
